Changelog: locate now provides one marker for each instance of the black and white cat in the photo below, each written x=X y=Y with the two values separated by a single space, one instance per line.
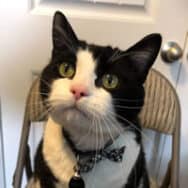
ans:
x=94 y=95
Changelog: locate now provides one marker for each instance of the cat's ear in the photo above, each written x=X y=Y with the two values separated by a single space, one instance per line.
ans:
x=63 y=34
x=143 y=54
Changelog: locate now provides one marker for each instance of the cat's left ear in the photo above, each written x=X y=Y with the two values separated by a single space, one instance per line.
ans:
x=63 y=34
x=143 y=54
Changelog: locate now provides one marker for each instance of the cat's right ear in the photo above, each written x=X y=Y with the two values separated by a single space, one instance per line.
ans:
x=63 y=34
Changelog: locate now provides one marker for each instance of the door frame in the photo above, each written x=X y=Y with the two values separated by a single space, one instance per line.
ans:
x=2 y=161
x=144 y=12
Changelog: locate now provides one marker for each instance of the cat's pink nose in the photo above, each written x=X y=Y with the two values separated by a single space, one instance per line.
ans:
x=79 y=91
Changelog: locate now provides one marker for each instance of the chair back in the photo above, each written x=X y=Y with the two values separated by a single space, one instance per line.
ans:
x=161 y=112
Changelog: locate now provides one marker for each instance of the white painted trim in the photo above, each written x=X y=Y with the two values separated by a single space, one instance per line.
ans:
x=118 y=2
x=133 y=13
x=133 y=2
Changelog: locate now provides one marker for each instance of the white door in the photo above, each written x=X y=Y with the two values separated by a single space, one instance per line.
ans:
x=25 y=44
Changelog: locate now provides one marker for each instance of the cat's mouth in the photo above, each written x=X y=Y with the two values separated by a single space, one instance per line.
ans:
x=74 y=110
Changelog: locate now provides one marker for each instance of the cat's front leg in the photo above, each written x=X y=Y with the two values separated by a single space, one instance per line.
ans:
x=57 y=153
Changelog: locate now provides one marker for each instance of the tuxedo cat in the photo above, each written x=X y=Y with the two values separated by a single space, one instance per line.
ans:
x=93 y=95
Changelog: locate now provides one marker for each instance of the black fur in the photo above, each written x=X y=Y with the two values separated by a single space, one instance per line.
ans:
x=131 y=66
x=42 y=171
x=138 y=173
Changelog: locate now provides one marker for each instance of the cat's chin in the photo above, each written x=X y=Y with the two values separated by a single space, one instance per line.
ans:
x=70 y=115
x=81 y=128
x=76 y=111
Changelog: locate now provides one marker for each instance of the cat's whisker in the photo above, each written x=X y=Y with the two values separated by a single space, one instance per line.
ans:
x=136 y=128
x=146 y=103
x=98 y=122
x=120 y=133
x=102 y=135
x=45 y=82
x=109 y=131
x=45 y=113
x=105 y=119
x=88 y=133
x=101 y=138
x=110 y=134
x=37 y=109
x=61 y=95
x=130 y=124
x=128 y=100
x=35 y=104
x=40 y=93
x=113 y=141
x=96 y=145
x=97 y=131
x=122 y=166
x=83 y=138
x=154 y=150
x=60 y=98
x=57 y=101
x=127 y=107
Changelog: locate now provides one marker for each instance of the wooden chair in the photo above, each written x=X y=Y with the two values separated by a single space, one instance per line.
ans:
x=162 y=115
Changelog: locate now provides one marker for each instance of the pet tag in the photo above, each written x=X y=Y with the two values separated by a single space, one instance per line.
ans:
x=76 y=181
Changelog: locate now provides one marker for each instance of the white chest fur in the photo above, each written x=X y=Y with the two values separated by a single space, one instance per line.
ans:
x=105 y=174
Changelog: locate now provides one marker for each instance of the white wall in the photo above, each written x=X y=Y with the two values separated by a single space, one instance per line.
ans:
x=20 y=39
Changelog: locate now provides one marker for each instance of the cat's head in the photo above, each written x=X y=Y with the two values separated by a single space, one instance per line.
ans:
x=92 y=89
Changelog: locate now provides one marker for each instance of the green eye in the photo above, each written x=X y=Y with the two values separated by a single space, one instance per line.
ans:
x=66 y=70
x=110 y=81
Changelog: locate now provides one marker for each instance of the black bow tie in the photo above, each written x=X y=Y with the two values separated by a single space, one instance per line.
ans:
x=86 y=164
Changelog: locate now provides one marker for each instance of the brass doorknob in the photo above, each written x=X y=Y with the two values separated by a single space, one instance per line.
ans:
x=171 y=52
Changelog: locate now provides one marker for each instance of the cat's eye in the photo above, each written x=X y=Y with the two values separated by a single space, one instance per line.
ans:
x=66 y=70
x=110 y=81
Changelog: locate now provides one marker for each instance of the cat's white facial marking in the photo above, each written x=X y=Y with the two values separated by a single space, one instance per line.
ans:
x=84 y=110
x=85 y=71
